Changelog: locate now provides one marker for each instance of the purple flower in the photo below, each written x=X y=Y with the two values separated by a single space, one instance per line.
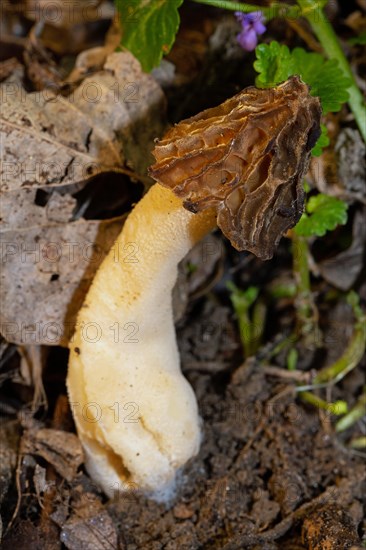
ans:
x=252 y=26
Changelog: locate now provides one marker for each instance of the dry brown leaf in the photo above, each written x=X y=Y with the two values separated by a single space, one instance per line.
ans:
x=65 y=27
x=351 y=150
x=343 y=269
x=41 y=68
x=341 y=171
x=93 y=59
x=20 y=211
x=89 y=526
x=41 y=484
x=50 y=140
x=46 y=273
x=7 y=67
x=67 y=14
x=61 y=449
x=51 y=146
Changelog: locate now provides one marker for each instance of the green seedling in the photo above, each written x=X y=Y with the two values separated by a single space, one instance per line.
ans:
x=250 y=312
x=337 y=408
x=357 y=412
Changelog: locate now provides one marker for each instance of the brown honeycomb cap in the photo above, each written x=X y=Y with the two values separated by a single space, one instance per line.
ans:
x=246 y=158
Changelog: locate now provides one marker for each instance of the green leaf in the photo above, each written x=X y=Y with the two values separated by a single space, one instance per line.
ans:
x=325 y=78
x=323 y=141
x=148 y=28
x=323 y=213
x=242 y=299
x=275 y=63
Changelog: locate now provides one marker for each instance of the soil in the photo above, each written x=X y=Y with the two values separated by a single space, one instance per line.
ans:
x=271 y=472
x=266 y=465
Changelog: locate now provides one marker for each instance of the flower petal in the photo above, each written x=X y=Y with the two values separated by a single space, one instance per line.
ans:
x=248 y=40
x=255 y=16
x=240 y=16
x=259 y=27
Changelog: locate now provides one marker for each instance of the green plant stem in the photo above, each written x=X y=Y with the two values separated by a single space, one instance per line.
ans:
x=277 y=9
x=251 y=326
x=329 y=41
x=304 y=300
x=352 y=355
x=336 y=408
x=286 y=343
x=356 y=413
x=245 y=328
x=292 y=358
x=259 y=320
x=348 y=361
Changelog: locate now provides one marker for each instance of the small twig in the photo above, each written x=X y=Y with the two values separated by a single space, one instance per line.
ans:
x=18 y=471
x=205 y=366
x=297 y=376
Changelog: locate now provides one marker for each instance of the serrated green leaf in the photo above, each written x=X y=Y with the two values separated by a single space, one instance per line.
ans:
x=323 y=141
x=276 y=63
x=148 y=28
x=323 y=213
x=325 y=78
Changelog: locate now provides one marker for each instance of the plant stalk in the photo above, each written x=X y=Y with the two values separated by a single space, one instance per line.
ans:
x=348 y=361
x=305 y=308
x=324 y=32
x=277 y=9
x=355 y=414
x=337 y=408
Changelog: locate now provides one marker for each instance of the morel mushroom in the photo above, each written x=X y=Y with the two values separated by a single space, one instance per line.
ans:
x=238 y=166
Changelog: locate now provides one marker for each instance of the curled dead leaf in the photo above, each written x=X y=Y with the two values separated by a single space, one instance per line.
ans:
x=52 y=146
